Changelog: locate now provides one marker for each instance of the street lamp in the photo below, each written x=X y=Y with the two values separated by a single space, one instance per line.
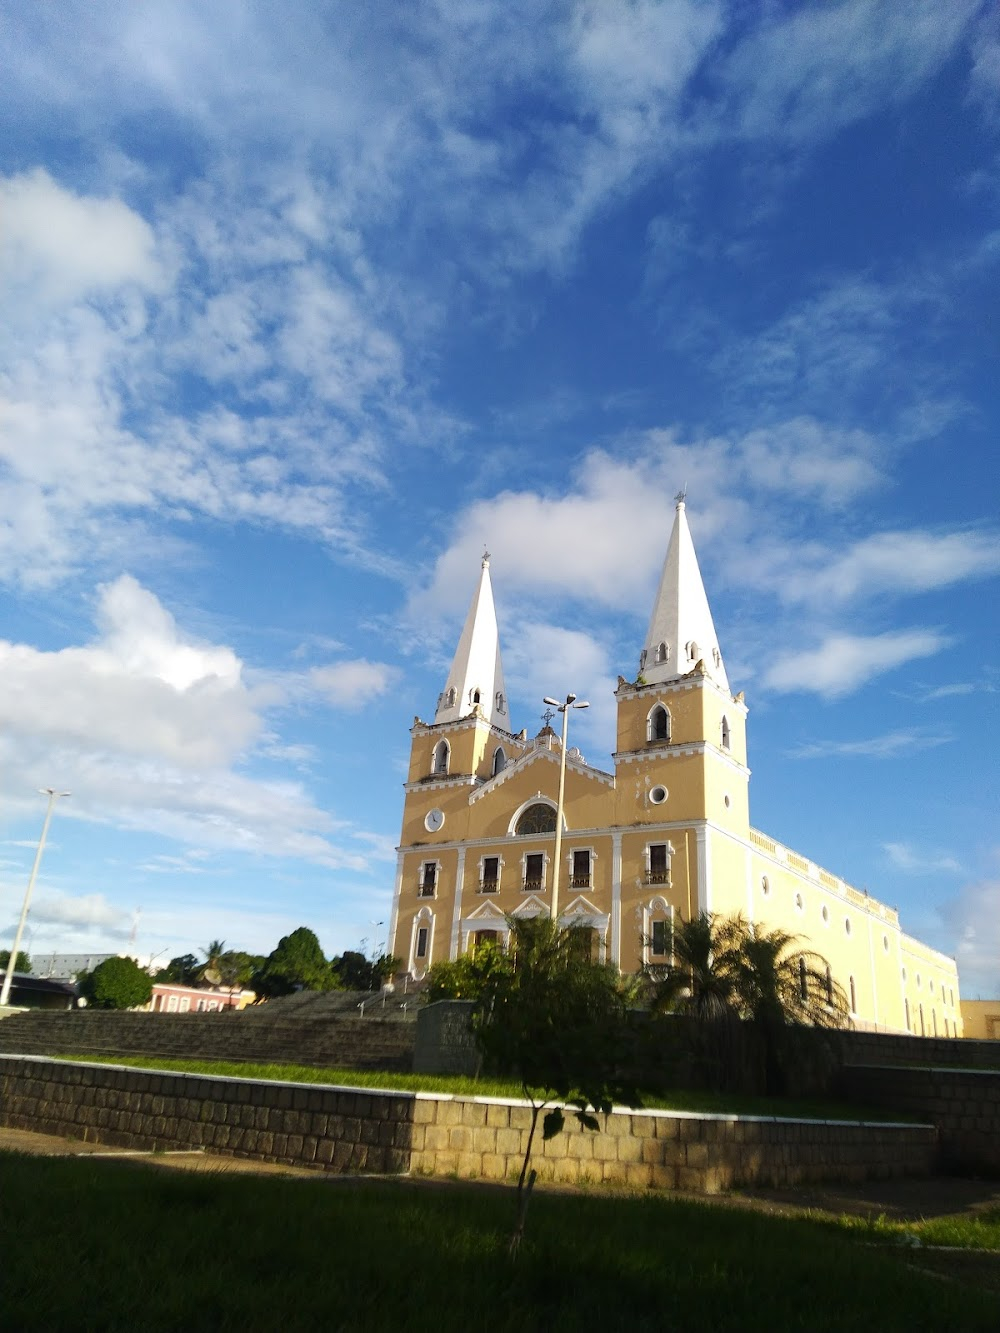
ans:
x=9 y=973
x=564 y=709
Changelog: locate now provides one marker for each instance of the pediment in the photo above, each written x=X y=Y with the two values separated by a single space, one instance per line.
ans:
x=532 y=906
x=486 y=912
x=542 y=755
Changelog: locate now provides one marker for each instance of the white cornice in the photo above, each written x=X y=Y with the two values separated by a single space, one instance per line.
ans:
x=677 y=752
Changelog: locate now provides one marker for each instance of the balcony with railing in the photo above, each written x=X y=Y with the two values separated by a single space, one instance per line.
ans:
x=491 y=885
x=533 y=885
x=581 y=880
x=658 y=876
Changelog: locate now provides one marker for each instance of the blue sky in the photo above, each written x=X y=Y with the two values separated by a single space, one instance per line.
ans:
x=301 y=305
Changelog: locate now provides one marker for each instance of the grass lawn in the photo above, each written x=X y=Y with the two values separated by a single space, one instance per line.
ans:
x=90 y=1245
x=457 y=1085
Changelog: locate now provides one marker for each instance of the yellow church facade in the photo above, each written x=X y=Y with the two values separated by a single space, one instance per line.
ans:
x=662 y=837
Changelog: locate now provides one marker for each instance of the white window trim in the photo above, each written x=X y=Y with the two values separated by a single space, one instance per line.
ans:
x=545 y=870
x=662 y=740
x=436 y=770
x=490 y=856
x=670 y=857
x=570 y=853
x=423 y=919
x=656 y=909
x=421 y=892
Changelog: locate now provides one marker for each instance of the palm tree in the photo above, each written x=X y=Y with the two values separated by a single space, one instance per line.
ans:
x=725 y=970
x=213 y=955
x=781 y=989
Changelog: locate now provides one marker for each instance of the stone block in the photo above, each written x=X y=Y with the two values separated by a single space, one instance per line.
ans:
x=566 y=1170
x=581 y=1146
x=498 y=1117
x=509 y=1141
x=484 y=1140
x=605 y=1149
x=494 y=1166
x=460 y=1139
x=663 y=1177
x=469 y=1165
x=697 y=1155
x=643 y=1126
x=425 y=1112
x=630 y=1150
x=449 y=1113
x=615 y=1173
x=473 y=1114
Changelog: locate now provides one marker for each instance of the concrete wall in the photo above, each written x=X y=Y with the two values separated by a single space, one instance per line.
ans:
x=963 y=1103
x=349 y=1130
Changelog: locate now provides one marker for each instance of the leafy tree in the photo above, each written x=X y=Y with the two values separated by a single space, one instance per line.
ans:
x=296 y=964
x=235 y=968
x=352 y=970
x=21 y=964
x=184 y=969
x=117 y=983
x=470 y=975
x=555 y=1020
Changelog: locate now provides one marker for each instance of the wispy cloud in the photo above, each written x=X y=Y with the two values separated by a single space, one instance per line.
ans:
x=843 y=663
x=903 y=856
x=890 y=745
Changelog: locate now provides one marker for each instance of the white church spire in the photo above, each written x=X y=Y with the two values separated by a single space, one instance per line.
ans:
x=476 y=675
x=681 y=632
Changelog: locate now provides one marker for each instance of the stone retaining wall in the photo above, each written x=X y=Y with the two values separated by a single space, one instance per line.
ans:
x=330 y=1041
x=963 y=1103
x=351 y=1130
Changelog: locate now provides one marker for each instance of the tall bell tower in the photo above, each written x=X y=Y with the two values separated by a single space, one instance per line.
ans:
x=681 y=734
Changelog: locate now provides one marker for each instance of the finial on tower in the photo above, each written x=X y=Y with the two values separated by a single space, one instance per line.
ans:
x=681 y=495
x=486 y=558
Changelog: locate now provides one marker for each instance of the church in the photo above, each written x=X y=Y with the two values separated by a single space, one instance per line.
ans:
x=662 y=837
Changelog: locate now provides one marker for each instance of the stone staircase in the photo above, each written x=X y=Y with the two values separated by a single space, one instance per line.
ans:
x=326 y=1030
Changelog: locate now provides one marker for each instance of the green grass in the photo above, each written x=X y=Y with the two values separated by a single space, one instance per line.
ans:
x=459 y=1086
x=104 y=1246
x=976 y=1231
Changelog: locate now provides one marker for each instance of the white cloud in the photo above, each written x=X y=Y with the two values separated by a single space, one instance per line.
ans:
x=975 y=919
x=844 y=662
x=147 y=725
x=903 y=856
x=90 y=910
x=904 y=562
x=350 y=684
x=890 y=745
x=142 y=688
x=61 y=246
x=804 y=73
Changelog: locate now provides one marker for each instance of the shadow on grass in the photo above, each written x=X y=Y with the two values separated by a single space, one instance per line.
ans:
x=101 y=1245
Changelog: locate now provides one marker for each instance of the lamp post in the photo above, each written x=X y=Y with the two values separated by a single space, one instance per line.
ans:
x=9 y=973
x=564 y=709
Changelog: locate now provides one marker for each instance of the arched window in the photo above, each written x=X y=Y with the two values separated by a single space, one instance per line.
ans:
x=474 y=696
x=922 y=1030
x=442 y=757
x=658 y=724
x=451 y=697
x=829 y=985
x=725 y=732
x=662 y=653
x=906 y=1005
x=803 y=981
x=854 y=998
x=692 y=651
x=499 y=760
x=538 y=818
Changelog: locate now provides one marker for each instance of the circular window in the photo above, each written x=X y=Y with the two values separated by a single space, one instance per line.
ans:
x=765 y=888
x=825 y=914
x=847 y=925
x=726 y=799
x=658 y=795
